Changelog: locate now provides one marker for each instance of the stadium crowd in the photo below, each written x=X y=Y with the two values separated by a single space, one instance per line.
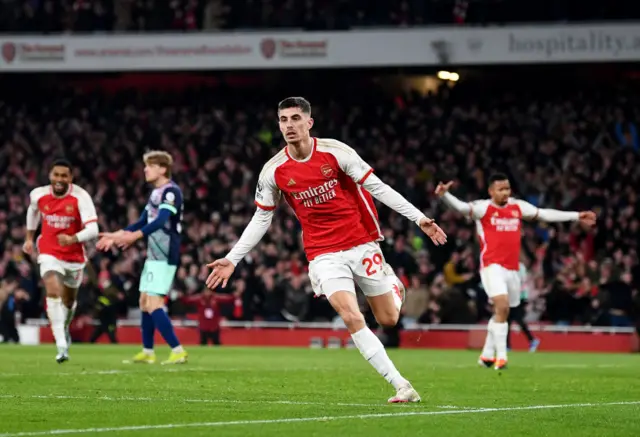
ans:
x=568 y=153
x=55 y=16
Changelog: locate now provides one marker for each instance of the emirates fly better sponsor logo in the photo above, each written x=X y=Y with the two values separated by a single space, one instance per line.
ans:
x=317 y=195
x=58 y=221
x=294 y=48
x=505 y=224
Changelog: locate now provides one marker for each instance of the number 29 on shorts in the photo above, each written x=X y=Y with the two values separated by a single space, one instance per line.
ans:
x=373 y=264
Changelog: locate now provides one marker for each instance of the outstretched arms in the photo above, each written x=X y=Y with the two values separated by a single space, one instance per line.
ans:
x=530 y=212
x=474 y=210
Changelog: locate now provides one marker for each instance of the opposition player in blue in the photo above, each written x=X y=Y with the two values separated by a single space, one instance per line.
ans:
x=160 y=224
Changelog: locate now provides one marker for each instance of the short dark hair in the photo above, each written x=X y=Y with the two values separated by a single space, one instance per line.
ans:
x=61 y=162
x=295 y=102
x=497 y=177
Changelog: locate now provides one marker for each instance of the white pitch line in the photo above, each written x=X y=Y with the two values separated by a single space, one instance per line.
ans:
x=203 y=401
x=533 y=366
x=121 y=371
x=204 y=370
x=306 y=419
x=147 y=371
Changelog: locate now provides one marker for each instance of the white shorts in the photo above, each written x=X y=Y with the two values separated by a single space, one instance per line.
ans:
x=72 y=273
x=340 y=271
x=497 y=281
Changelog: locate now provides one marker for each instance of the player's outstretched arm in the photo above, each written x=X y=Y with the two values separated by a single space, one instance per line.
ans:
x=362 y=174
x=530 y=212
x=442 y=190
x=107 y=239
x=266 y=199
x=170 y=204
x=139 y=224
x=394 y=200
x=128 y=237
x=223 y=268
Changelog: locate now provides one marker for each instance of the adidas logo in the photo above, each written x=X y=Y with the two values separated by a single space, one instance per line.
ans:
x=291 y=182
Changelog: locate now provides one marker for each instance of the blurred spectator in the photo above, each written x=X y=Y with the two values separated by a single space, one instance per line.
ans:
x=416 y=302
x=107 y=319
x=627 y=133
x=105 y=295
x=215 y=13
x=209 y=306
x=297 y=297
x=10 y=298
x=620 y=299
x=452 y=274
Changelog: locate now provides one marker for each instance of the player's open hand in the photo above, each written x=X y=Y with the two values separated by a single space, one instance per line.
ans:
x=124 y=239
x=27 y=247
x=433 y=231
x=66 y=240
x=104 y=244
x=222 y=271
x=588 y=218
x=443 y=188
x=111 y=235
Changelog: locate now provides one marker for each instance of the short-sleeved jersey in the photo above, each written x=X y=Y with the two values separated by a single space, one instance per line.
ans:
x=67 y=214
x=325 y=192
x=500 y=231
x=164 y=244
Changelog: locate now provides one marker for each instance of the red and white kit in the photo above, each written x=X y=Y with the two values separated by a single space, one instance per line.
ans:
x=67 y=214
x=331 y=194
x=499 y=231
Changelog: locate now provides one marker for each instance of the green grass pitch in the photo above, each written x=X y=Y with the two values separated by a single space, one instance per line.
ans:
x=302 y=392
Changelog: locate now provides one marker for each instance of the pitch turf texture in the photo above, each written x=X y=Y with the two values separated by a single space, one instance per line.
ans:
x=300 y=392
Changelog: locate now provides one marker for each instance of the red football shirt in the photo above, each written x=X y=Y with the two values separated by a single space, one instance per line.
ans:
x=67 y=214
x=500 y=231
x=324 y=190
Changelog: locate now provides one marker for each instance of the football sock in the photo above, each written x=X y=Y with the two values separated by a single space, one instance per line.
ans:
x=163 y=324
x=373 y=351
x=69 y=313
x=397 y=300
x=500 y=337
x=525 y=329
x=148 y=328
x=56 y=314
x=489 y=349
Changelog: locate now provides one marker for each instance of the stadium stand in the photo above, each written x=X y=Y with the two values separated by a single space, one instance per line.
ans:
x=566 y=136
x=49 y=16
x=568 y=147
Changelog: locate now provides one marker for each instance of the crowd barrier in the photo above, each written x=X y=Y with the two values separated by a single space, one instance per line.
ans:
x=554 y=338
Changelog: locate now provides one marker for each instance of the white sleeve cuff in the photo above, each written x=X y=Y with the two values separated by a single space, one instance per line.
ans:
x=89 y=232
